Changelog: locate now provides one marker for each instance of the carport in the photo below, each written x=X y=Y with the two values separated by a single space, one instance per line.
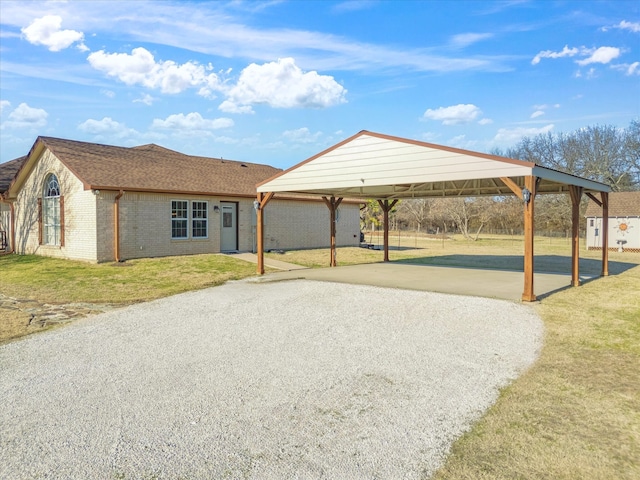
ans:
x=371 y=165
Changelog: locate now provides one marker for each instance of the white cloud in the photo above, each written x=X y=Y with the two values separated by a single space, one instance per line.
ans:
x=454 y=115
x=229 y=107
x=146 y=99
x=634 y=68
x=509 y=136
x=537 y=113
x=4 y=104
x=283 y=84
x=140 y=68
x=108 y=93
x=485 y=121
x=192 y=123
x=628 y=68
x=25 y=116
x=48 y=31
x=624 y=25
x=301 y=135
x=565 y=52
x=600 y=55
x=106 y=127
x=466 y=39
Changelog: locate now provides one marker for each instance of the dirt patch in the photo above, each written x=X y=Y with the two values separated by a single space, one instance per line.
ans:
x=20 y=317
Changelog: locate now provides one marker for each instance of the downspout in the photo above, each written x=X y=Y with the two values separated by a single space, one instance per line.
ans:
x=116 y=225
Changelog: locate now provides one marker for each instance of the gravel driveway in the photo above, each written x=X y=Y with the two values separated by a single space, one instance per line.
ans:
x=295 y=379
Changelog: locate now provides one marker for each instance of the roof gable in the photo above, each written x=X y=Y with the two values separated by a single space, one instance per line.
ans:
x=621 y=204
x=374 y=165
x=151 y=168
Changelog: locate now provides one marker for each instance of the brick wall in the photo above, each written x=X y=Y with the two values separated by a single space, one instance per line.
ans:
x=79 y=213
x=306 y=224
x=145 y=225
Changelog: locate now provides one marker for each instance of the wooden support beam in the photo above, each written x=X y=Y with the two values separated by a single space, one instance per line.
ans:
x=333 y=205
x=605 y=233
x=528 y=294
x=386 y=208
x=512 y=186
x=594 y=198
x=261 y=201
x=576 y=195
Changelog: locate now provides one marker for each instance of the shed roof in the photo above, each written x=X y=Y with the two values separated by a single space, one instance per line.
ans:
x=373 y=165
x=621 y=204
x=147 y=168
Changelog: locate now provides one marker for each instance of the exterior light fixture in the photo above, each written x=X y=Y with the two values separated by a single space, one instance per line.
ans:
x=256 y=205
x=216 y=208
x=526 y=195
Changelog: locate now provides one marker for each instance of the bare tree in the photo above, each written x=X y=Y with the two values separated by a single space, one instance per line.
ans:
x=415 y=211
x=603 y=152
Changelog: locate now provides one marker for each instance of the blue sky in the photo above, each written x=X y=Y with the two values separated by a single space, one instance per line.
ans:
x=278 y=81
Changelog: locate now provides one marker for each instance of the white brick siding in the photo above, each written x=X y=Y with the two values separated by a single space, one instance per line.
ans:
x=79 y=213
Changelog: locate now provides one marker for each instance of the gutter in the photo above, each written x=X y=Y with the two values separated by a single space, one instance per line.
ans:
x=116 y=225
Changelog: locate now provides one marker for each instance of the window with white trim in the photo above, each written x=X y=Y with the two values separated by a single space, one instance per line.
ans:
x=179 y=218
x=199 y=220
x=51 y=211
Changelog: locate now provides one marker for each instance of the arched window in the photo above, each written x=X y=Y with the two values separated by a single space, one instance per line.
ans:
x=51 y=217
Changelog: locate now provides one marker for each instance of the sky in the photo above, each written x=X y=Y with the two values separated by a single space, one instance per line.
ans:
x=277 y=82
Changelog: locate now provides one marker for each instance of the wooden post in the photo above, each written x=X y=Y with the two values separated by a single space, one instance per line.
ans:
x=528 y=294
x=605 y=233
x=262 y=199
x=386 y=208
x=576 y=194
x=333 y=205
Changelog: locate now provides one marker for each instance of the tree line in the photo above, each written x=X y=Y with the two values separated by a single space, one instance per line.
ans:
x=603 y=153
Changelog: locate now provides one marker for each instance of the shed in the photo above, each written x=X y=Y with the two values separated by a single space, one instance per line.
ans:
x=623 y=221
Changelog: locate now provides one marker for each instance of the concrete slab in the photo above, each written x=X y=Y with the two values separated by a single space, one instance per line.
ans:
x=269 y=262
x=501 y=284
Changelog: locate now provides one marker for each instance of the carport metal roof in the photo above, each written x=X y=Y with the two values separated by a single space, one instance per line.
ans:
x=371 y=165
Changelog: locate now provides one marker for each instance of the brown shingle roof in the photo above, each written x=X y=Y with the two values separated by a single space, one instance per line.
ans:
x=621 y=204
x=154 y=168
x=8 y=171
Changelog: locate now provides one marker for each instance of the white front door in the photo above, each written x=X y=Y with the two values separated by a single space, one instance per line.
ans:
x=229 y=227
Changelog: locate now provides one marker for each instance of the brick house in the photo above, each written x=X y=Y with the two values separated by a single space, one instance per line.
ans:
x=624 y=223
x=98 y=203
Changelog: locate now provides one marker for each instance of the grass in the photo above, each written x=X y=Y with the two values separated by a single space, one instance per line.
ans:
x=50 y=280
x=574 y=414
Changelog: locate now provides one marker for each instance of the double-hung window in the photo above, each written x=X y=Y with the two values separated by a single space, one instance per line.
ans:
x=179 y=218
x=197 y=217
x=199 y=225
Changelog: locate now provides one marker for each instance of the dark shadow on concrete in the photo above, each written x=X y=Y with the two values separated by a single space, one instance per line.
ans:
x=515 y=263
